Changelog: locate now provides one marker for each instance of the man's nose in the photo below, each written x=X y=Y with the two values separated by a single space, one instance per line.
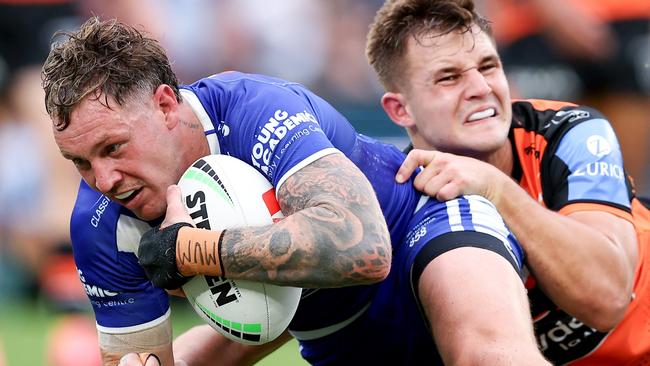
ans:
x=106 y=177
x=476 y=84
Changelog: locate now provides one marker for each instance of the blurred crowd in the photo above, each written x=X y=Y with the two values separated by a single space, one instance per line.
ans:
x=319 y=43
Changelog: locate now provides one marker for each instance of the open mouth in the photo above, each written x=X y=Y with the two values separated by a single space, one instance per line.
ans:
x=490 y=112
x=127 y=196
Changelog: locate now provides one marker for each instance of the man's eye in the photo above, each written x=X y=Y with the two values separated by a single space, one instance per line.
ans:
x=113 y=148
x=487 y=67
x=448 y=78
x=81 y=164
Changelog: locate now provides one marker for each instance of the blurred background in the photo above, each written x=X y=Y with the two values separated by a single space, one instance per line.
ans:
x=592 y=51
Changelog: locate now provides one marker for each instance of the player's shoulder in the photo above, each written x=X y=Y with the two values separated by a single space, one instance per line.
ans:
x=549 y=117
x=236 y=95
x=97 y=221
x=235 y=82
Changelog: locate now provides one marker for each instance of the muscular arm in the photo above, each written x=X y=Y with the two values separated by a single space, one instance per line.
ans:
x=584 y=261
x=334 y=233
x=203 y=346
x=477 y=309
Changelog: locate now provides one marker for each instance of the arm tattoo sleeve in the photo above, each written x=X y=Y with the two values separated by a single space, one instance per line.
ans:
x=334 y=233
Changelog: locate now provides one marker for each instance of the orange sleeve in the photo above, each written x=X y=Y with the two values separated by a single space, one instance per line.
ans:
x=575 y=207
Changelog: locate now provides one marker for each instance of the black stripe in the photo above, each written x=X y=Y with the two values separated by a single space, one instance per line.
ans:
x=453 y=240
x=252 y=337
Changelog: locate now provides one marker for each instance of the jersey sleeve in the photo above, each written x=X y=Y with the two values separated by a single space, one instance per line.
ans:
x=586 y=168
x=105 y=238
x=274 y=125
x=468 y=221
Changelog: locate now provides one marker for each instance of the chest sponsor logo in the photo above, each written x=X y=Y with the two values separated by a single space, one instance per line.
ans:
x=94 y=291
x=601 y=169
x=101 y=297
x=598 y=146
x=275 y=130
x=563 y=338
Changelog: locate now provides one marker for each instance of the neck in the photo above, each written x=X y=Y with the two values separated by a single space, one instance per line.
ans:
x=502 y=158
x=193 y=133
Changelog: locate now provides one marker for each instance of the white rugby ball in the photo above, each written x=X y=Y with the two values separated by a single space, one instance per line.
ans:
x=222 y=192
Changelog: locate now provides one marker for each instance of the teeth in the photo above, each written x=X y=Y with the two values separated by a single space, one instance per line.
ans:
x=125 y=195
x=480 y=115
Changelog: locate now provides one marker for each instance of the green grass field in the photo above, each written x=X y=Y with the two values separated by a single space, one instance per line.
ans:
x=24 y=328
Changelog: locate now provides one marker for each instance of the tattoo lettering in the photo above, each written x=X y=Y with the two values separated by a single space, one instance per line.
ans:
x=192 y=125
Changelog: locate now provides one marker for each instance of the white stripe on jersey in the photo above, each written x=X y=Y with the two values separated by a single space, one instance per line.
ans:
x=306 y=161
x=198 y=108
x=486 y=219
x=453 y=212
x=128 y=233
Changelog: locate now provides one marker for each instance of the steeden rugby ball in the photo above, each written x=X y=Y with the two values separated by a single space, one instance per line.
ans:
x=222 y=192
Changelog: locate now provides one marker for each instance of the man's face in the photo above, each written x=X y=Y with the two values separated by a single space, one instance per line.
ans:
x=456 y=94
x=127 y=153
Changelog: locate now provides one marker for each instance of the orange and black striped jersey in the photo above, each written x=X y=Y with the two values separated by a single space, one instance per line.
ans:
x=568 y=158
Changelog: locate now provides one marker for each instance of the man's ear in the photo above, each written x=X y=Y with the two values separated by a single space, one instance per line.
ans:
x=395 y=106
x=166 y=102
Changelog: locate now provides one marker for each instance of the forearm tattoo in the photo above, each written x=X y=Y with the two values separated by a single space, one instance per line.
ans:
x=334 y=233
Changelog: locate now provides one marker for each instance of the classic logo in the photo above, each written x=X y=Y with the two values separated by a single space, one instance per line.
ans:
x=99 y=211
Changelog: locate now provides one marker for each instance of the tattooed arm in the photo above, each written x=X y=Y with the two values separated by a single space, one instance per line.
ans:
x=334 y=234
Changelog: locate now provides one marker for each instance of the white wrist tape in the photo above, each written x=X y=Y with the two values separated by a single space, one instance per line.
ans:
x=138 y=341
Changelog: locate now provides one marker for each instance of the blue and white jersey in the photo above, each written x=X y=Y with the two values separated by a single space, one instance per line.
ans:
x=393 y=330
x=274 y=125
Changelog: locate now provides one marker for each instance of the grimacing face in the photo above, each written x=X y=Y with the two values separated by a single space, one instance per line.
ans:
x=128 y=153
x=457 y=98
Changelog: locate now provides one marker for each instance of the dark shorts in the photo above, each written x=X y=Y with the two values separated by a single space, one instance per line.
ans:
x=537 y=71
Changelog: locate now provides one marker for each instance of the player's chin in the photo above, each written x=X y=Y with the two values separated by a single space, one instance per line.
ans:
x=150 y=211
